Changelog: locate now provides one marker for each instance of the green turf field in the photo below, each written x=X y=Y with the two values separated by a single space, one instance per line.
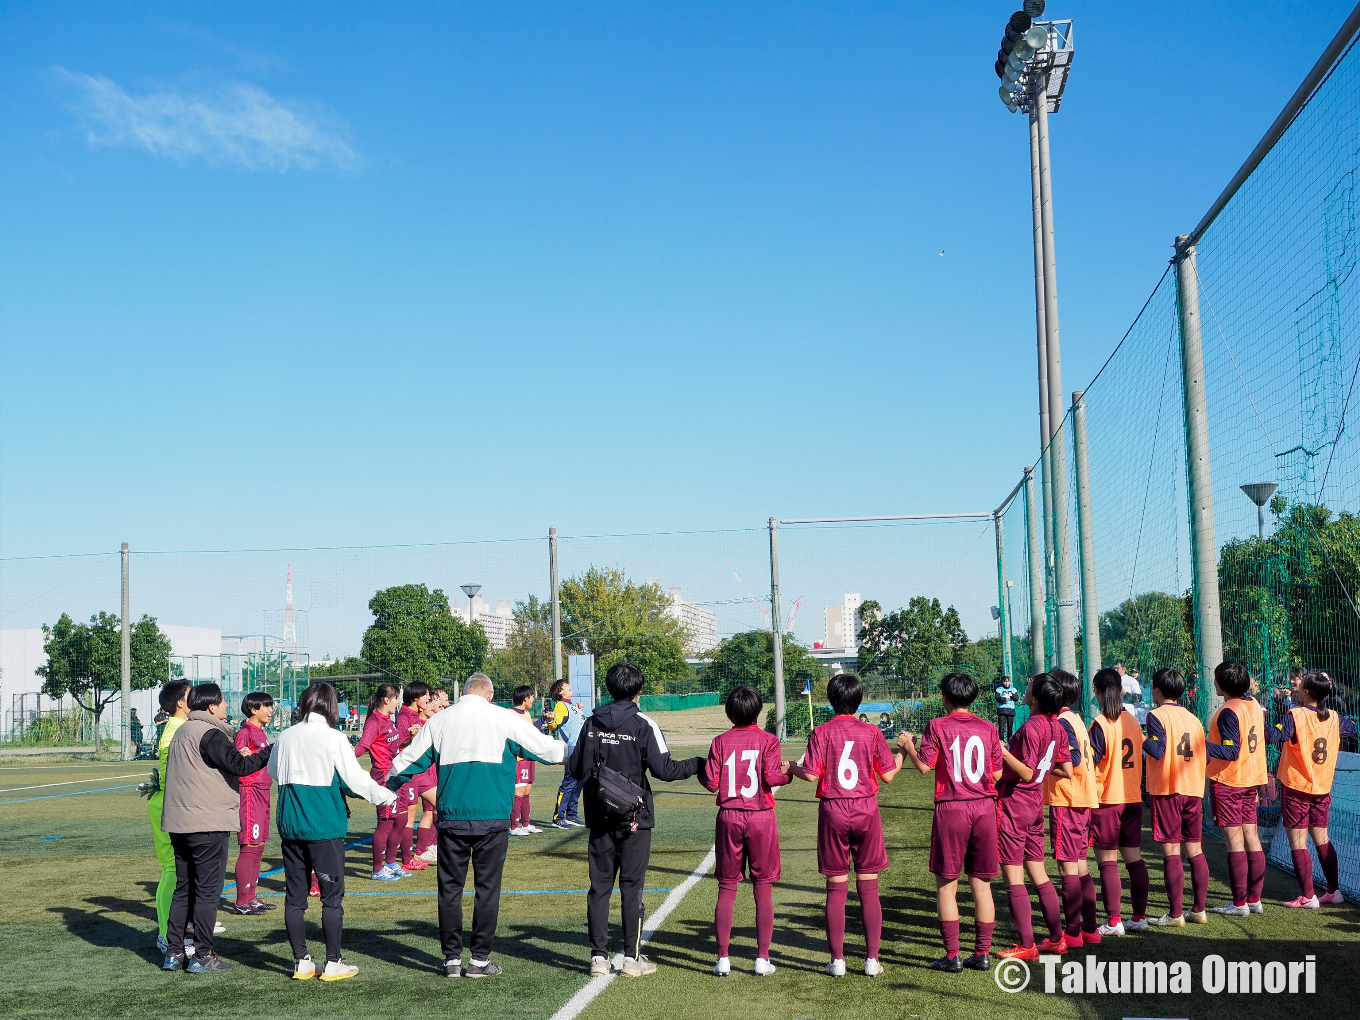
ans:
x=77 y=927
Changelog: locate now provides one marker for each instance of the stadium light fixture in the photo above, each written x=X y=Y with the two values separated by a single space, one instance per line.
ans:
x=470 y=590
x=1260 y=493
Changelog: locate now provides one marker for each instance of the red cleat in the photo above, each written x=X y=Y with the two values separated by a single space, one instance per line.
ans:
x=1091 y=938
x=1030 y=954
x=416 y=865
x=315 y=890
x=1051 y=948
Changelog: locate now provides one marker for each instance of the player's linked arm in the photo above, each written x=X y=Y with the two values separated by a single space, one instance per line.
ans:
x=413 y=760
x=907 y=744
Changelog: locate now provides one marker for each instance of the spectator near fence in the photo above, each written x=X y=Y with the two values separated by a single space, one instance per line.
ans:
x=1006 y=698
x=565 y=719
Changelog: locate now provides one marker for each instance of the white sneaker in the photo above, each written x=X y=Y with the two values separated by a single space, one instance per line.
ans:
x=338 y=970
x=218 y=928
x=836 y=968
x=640 y=967
x=764 y=968
x=1233 y=910
x=1256 y=907
x=1135 y=925
x=1336 y=897
x=599 y=967
x=162 y=946
x=304 y=969
x=1197 y=917
x=1111 y=930
x=1167 y=921
x=431 y=854
x=872 y=968
x=531 y=830
x=723 y=967
x=518 y=832
x=616 y=962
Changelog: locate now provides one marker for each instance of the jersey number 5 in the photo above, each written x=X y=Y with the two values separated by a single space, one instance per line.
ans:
x=749 y=788
x=847 y=772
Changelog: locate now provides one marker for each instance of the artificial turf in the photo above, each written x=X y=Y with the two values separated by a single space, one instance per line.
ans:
x=77 y=925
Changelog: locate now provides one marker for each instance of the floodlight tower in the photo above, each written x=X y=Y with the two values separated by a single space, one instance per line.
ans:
x=289 y=621
x=1033 y=64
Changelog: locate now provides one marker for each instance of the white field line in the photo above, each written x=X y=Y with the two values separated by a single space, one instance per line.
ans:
x=68 y=765
x=72 y=782
x=595 y=986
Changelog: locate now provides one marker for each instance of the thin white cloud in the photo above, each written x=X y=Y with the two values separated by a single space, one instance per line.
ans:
x=237 y=124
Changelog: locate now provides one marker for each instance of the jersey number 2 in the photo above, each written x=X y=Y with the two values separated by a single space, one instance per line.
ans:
x=749 y=788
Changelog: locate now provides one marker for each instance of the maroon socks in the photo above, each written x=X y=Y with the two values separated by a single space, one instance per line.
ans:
x=392 y=854
x=248 y=874
x=764 y=919
x=949 y=932
x=1256 y=875
x=722 y=916
x=1330 y=866
x=1071 y=901
x=1303 y=868
x=1022 y=914
x=425 y=839
x=836 y=893
x=1173 y=873
x=519 y=813
x=1110 y=889
x=382 y=832
x=982 y=936
x=1237 y=876
x=871 y=908
x=1140 y=883
x=1052 y=909
x=1088 y=904
x=1199 y=882
x=403 y=841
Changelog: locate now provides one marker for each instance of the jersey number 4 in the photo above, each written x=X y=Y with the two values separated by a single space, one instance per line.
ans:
x=752 y=784
x=1183 y=747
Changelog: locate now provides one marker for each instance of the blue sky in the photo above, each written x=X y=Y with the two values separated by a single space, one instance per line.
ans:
x=321 y=274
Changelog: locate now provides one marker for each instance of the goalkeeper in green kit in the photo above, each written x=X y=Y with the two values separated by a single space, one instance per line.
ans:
x=174 y=704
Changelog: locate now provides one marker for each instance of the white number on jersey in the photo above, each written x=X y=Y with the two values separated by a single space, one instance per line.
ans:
x=972 y=761
x=847 y=772
x=1045 y=763
x=749 y=759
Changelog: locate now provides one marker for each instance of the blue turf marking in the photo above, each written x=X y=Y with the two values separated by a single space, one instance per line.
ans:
x=51 y=837
x=279 y=871
x=468 y=892
x=78 y=793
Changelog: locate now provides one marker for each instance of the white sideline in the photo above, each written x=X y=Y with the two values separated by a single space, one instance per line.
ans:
x=73 y=782
x=578 y=1002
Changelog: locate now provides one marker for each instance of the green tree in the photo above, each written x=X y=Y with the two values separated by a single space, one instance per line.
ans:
x=351 y=665
x=527 y=655
x=84 y=660
x=1149 y=631
x=603 y=607
x=415 y=636
x=909 y=642
x=661 y=657
x=748 y=659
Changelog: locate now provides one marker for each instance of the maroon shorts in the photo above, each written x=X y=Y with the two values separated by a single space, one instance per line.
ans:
x=1069 y=829
x=254 y=815
x=1020 y=828
x=747 y=843
x=397 y=810
x=421 y=785
x=850 y=829
x=1117 y=825
x=524 y=772
x=1299 y=810
x=1233 y=805
x=963 y=839
x=1177 y=818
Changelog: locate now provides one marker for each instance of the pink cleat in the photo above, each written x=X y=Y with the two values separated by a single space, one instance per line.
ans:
x=1334 y=897
x=1304 y=903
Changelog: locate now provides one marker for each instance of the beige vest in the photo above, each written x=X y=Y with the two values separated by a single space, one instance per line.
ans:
x=198 y=798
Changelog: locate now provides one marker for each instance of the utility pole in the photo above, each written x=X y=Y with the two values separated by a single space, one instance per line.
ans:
x=776 y=633
x=556 y=605
x=1090 y=608
x=125 y=657
x=1003 y=618
x=1036 y=575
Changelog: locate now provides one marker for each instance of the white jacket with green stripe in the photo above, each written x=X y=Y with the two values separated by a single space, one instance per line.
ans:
x=474 y=744
x=314 y=767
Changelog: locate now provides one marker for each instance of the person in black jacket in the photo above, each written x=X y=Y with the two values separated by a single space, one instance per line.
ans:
x=619 y=737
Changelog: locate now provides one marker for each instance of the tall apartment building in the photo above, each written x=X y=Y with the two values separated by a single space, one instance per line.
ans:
x=497 y=624
x=699 y=621
x=842 y=624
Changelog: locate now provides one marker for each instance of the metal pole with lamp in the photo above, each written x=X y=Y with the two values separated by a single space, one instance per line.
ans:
x=469 y=590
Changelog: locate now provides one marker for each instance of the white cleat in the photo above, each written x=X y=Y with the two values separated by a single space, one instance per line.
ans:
x=723 y=967
x=836 y=968
x=1256 y=906
x=1336 y=898
x=764 y=968
x=872 y=968
x=1112 y=930
x=530 y=830
x=1136 y=925
x=518 y=831
x=431 y=855
x=1233 y=910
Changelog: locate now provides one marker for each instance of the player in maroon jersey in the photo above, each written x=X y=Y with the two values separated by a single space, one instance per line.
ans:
x=846 y=758
x=521 y=823
x=380 y=741
x=1038 y=748
x=424 y=788
x=257 y=707
x=415 y=703
x=743 y=768
x=965 y=753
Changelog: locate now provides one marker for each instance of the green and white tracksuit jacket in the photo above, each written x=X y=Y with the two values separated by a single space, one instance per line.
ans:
x=474 y=744
x=315 y=768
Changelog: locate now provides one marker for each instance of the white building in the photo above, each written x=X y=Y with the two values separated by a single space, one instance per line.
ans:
x=497 y=624
x=700 y=624
x=842 y=625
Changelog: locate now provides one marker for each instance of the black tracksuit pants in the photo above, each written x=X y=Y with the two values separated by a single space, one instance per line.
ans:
x=487 y=854
x=200 y=870
x=327 y=858
x=625 y=854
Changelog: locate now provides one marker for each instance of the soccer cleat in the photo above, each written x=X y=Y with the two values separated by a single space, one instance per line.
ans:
x=531 y=829
x=414 y=865
x=1233 y=910
x=572 y=823
x=556 y=824
x=453 y=968
x=1112 y=930
x=172 y=962
x=1091 y=938
x=1336 y=897
x=949 y=964
x=304 y=969
x=383 y=875
x=1030 y=954
x=637 y=968
x=978 y=961
x=1052 y=947
x=1136 y=924
x=162 y=946
x=1256 y=907
x=599 y=967
x=431 y=854
x=246 y=909
x=1302 y=903
x=397 y=871
x=208 y=963
x=723 y=967
x=1197 y=917
x=518 y=831
x=764 y=968
x=1167 y=921
x=315 y=890
x=872 y=968
x=262 y=904
x=338 y=970
x=836 y=968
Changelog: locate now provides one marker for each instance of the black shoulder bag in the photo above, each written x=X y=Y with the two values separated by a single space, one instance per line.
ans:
x=620 y=796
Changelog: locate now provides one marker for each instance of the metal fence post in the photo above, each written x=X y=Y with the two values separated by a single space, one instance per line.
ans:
x=1036 y=575
x=125 y=657
x=776 y=633
x=1002 y=616
x=556 y=606
x=1203 y=546
x=1090 y=608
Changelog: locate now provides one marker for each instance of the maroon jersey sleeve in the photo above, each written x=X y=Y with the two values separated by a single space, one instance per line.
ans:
x=929 y=751
x=814 y=758
x=772 y=763
x=883 y=757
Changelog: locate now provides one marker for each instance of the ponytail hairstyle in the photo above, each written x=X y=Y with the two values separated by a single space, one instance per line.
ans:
x=380 y=694
x=1048 y=693
x=1109 y=687
x=1320 y=688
